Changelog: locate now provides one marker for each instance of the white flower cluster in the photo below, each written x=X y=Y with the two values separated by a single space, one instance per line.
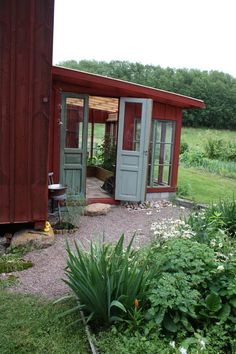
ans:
x=215 y=243
x=169 y=228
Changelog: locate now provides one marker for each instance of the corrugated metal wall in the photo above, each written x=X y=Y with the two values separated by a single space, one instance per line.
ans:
x=26 y=35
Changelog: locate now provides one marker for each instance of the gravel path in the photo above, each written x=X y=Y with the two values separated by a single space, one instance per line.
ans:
x=45 y=277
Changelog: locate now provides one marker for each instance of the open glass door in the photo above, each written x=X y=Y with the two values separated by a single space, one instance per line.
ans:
x=73 y=141
x=132 y=148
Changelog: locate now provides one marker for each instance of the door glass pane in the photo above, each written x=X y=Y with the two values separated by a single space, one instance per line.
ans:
x=74 y=123
x=132 y=126
x=161 y=153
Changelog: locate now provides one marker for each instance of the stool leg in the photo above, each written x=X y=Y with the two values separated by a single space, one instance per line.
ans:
x=59 y=210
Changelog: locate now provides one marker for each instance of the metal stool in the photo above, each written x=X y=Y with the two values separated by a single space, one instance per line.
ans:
x=56 y=192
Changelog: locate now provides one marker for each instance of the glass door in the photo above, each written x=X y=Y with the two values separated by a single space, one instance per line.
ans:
x=73 y=142
x=132 y=148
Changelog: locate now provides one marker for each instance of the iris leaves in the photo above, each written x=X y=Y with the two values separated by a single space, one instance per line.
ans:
x=106 y=279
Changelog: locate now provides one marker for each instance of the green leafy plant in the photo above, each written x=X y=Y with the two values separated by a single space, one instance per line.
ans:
x=220 y=216
x=220 y=149
x=106 y=155
x=175 y=292
x=11 y=263
x=106 y=280
x=183 y=147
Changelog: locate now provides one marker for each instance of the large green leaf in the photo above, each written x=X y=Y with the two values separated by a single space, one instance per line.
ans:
x=160 y=316
x=169 y=324
x=233 y=301
x=118 y=304
x=224 y=312
x=213 y=302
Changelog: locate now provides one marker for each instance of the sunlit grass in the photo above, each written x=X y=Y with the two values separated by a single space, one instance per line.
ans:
x=196 y=138
x=31 y=325
x=205 y=187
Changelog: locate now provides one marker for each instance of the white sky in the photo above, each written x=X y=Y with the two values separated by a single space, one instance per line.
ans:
x=199 y=34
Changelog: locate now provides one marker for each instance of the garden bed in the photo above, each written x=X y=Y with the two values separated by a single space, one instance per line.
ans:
x=98 y=172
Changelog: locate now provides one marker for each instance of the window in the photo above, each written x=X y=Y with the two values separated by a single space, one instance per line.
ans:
x=161 y=153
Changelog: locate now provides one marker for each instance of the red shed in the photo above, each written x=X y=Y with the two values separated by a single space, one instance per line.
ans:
x=147 y=140
x=52 y=126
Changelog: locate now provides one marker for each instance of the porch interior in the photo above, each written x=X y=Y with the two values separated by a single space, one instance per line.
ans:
x=94 y=190
x=102 y=138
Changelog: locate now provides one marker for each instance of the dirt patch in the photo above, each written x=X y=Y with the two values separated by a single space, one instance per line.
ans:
x=45 y=278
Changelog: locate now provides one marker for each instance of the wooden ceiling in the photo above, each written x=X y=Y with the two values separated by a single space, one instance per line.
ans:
x=99 y=103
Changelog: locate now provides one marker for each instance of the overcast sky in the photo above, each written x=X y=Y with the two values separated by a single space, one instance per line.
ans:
x=199 y=34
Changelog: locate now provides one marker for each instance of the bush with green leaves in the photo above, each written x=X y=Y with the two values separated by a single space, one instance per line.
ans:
x=184 y=268
x=192 y=158
x=106 y=154
x=220 y=149
x=183 y=147
x=107 y=280
x=219 y=305
x=220 y=216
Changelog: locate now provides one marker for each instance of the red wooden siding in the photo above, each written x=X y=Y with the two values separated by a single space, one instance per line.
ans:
x=25 y=87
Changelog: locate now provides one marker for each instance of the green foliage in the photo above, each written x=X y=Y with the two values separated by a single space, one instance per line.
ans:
x=193 y=158
x=184 y=190
x=196 y=159
x=106 y=280
x=183 y=147
x=220 y=149
x=175 y=292
x=11 y=263
x=191 y=295
x=217 y=216
x=32 y=325
x=217 y=89
x=115 y=341
x=106 y=154
x=197 y=138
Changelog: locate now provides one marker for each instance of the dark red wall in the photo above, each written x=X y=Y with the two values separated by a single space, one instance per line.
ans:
x=26 y=33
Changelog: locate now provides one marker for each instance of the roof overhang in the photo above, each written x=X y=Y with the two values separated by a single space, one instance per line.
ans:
x=103 y=86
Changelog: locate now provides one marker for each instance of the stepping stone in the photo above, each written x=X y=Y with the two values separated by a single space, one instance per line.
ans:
x=33 y=238
x=97 y=209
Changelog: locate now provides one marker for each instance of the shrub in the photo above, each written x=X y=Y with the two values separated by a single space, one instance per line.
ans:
x=183 y=268
x=106 y=155
x=183 y=147
x=107 y=280
x=218 y=216
x=220 y=149
x=193 y=158
x=213 y=148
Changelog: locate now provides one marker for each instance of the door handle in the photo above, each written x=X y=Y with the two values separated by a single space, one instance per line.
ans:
x=145 y=152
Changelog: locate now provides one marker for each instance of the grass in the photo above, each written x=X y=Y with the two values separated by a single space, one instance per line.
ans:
x=196 y=138
x=11 y=263
x=205 y=187
x=31 y=325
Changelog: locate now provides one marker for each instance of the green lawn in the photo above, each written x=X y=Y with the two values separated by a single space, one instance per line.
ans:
x=204 y=187
x=197 y=137
x=31 y=325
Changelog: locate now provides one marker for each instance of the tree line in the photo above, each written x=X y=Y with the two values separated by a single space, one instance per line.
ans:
x=217 y=89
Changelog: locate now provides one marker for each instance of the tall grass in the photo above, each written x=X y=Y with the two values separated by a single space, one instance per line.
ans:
x=197 y=159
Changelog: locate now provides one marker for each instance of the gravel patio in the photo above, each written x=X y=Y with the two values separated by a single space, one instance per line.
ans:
x=45 y=277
